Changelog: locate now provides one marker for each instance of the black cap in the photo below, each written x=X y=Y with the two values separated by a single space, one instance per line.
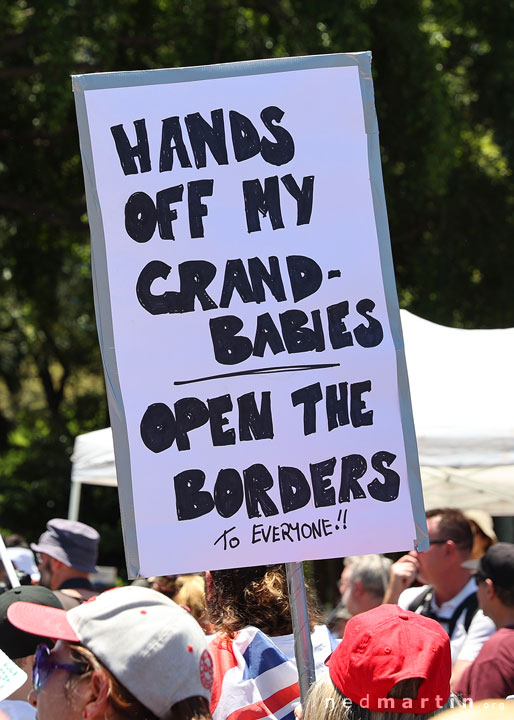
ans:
x=498 y=564
x=16 y=643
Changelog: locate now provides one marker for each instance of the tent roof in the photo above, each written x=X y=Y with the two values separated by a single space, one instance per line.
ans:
x=93 y=458
x=462 y=390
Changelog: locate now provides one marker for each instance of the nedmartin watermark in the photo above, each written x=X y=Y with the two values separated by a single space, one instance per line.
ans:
x=407 y=704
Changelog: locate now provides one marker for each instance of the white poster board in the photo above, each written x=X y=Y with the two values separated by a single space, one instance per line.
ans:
x=247 y=314
x=12 y=677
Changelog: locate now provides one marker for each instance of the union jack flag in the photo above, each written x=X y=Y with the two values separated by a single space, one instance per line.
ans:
x=253 y=679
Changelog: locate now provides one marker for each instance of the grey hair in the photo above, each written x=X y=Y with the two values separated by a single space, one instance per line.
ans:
x=372 y=571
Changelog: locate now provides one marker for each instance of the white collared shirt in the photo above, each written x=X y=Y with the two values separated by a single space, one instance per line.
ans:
x=464 y=645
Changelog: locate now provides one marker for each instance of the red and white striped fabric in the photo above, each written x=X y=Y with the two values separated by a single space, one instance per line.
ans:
x=253 y=678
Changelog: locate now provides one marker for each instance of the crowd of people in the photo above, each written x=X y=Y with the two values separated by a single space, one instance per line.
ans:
x=408 y=639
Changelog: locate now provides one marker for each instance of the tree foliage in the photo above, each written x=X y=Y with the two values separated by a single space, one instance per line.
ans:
x=444 y=97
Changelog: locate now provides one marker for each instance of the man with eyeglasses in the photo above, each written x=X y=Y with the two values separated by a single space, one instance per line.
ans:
x=20 y=646
x=449 y=593
x=492 y=673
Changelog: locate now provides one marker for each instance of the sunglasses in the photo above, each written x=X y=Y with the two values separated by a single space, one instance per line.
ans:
x=44 y=667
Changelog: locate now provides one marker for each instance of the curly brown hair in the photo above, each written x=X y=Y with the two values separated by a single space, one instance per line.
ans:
x=255 y=596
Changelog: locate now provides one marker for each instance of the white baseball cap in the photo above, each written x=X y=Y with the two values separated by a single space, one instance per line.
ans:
x=23 y=559
x=151 y=645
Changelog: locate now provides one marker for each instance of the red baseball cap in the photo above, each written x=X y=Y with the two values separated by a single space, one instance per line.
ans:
x=385 y=645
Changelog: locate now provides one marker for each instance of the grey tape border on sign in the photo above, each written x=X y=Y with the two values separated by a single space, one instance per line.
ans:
x=111 y=80
x=106 y=340
x=420 y=542
x=135 y=78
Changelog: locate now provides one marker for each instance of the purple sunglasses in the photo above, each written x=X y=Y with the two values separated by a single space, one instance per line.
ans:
x=44 y=667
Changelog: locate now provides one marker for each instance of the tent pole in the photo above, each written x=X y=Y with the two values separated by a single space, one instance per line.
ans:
x=74 y=505
x=9 y=567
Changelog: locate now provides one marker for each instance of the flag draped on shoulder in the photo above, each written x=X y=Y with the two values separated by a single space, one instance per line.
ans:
x=253 y=679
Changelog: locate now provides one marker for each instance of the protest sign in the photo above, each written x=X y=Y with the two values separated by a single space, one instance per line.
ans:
x=247 y=314
x=12 y=677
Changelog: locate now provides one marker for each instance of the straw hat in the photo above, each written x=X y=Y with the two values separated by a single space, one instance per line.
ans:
x=484 y=522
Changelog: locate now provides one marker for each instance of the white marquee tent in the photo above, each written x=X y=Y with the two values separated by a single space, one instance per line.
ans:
x=462 y=390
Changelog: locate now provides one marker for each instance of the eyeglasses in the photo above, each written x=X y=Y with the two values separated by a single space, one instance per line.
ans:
x=437 y=542
x=44 y=667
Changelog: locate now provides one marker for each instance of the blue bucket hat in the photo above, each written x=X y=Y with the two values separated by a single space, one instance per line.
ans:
x=71 y=542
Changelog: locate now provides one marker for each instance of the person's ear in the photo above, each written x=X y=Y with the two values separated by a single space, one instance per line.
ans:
x=55 y=564
x=450 y=548
x=490 y=590
x=358 y=588
x=97 y=698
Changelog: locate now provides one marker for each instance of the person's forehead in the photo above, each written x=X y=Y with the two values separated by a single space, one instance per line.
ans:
x=433 y=524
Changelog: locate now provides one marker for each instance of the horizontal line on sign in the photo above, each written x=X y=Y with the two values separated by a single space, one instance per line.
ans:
x=261 y=371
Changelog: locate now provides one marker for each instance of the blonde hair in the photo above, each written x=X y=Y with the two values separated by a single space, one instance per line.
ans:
x=326 y=702
x=190 y=591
